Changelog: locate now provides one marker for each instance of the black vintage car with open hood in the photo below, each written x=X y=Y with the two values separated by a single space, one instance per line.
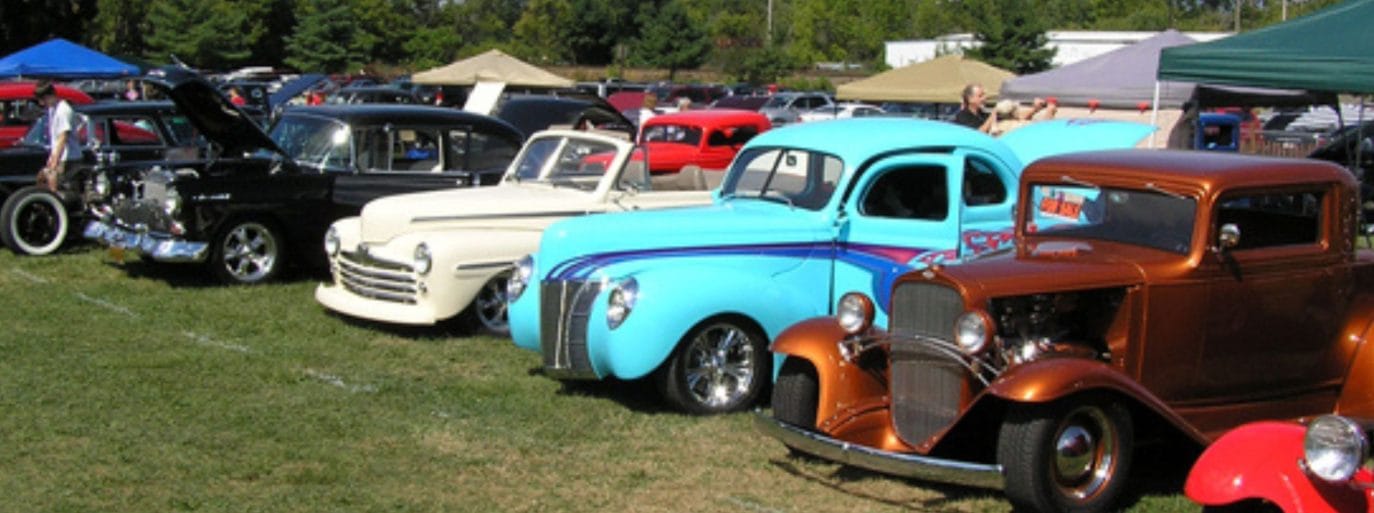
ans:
x=262 y=200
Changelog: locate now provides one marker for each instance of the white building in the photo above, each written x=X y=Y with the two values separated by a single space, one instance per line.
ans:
x=1072 y=45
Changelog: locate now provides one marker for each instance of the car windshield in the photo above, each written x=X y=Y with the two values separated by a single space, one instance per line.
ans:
x=797 y=177
x=564 y=161
x=1147 y=217
x=318 y=142
x=679 y=134
x=777 y=102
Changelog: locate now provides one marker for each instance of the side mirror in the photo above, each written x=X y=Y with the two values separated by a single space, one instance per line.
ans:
x=1228 y=237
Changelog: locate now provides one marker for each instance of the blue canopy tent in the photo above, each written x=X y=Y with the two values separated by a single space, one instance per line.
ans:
x=62 y=59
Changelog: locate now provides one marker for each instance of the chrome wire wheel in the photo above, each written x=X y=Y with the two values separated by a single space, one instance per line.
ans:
x=1085 y=449
x=720 y=366
x=248 y=252
x=487 y=313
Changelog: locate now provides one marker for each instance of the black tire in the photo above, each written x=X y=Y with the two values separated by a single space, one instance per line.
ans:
x=487 y=313
x=796 y=393
x=1251 y=506
x=34 y=221
x=1040 y=476
x=247 y=251
x=721 y=366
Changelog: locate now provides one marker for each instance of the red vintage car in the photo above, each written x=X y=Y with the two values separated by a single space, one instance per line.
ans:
x=1322 y=466
x=707 y=139
x=18 y=109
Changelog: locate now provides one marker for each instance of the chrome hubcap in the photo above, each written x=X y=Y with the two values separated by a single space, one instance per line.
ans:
x=491 y=305
x=249 y=252
x=720 y=366
x=1084 y=452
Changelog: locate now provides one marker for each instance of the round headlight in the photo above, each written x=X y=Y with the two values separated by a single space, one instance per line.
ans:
x=331 y=241
x=620 y=302
x=519 y=278
x=1334 y=448
x=172 y=203
x=422 y=259
x=972 y=331
x=854 y=313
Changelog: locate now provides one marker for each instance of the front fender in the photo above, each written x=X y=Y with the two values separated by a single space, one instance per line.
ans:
x=842 y=386
x=1053 y=378
x=1357 y=396
x=1260 y=461
x=674 y=299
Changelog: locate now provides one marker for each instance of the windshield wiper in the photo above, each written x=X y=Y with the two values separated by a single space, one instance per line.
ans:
x=1156 y=188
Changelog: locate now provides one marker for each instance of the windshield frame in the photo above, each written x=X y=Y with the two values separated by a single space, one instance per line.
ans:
x=1151 y=221
x=811 y=197
x=350 y=156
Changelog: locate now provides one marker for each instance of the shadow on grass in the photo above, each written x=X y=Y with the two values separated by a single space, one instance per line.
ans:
x=443 y=330
x=194 y=275
x=639 y=395
x=843 y=476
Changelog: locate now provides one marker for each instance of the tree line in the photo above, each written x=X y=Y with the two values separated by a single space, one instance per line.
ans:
x=750 y=40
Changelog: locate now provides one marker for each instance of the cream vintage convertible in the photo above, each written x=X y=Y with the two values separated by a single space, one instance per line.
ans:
x=422 y=259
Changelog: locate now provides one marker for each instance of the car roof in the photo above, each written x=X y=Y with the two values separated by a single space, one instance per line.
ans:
x=855 y=140
x=376 y=113
x=118 y=108
x=24 y=90
x=709 y=117
x=1210 y=170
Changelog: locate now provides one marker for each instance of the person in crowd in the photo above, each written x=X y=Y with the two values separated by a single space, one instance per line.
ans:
x=647 y=110
x=61 y=127
x=131 y=92
x=684 y=104
x=971 y=113
x=1010 y=115
x=236 y=97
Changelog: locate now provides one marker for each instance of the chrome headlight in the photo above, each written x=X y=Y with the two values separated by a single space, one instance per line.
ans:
x=519 y=278
x=101 y=184
x=854 y=313
x=621 y=301
x=972 y=330
x=331 y=241
x=1333 y=448
x=172 y=203
x=422 y=259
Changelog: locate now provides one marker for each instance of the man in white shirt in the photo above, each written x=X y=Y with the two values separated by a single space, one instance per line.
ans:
x=61 y=128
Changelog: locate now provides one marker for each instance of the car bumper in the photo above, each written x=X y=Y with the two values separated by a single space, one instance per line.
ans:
x=339 y=299
x=161 y=248
x=894 y=463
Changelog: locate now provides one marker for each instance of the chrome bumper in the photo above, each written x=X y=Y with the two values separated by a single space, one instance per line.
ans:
x=894 y=463
x=158 y=247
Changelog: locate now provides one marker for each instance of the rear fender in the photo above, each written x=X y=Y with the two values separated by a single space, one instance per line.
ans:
x=1260 y=461
x=1050 y=379
x=844 y=388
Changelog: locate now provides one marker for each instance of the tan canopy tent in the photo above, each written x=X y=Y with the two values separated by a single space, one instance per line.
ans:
x=939 y=80
x=492 y=66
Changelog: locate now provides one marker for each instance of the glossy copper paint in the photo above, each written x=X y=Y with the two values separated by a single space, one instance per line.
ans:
x=1203 y=350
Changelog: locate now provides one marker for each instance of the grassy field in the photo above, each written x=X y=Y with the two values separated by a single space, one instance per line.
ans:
x=130 y=387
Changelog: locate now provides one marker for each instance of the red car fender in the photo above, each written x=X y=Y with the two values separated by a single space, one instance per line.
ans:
x=1260 y=461
x=842 y=385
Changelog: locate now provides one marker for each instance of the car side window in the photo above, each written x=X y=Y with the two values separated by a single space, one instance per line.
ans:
x=1271 y=219
x=184 y=133
x=981 y=184
x=908 y=192
x=134 y=131
x=479 y=151
x=414 y=150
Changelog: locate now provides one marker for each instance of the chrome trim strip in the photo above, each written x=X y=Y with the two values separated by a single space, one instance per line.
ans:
x=569 y=213
x=484 y=265
x=159 y=247
x=893 y=463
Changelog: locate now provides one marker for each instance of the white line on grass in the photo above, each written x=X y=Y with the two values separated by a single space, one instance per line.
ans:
x=338 y=382
x=106 y=305
x=207 y=341
x=750 y=505
x=29 y=276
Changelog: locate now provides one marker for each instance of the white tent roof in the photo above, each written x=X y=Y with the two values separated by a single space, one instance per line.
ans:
x=492 y=66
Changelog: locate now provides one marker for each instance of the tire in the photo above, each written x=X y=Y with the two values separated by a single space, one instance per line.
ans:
x=1041 y=477
x=796 y=394
x=34 y=221
x=721 y=366
x=247 y=251
x=487 y=313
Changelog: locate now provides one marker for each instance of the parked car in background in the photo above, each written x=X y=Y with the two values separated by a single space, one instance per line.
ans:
x=840 y=111
x=936 y=111
x=692 y=296
x=33 y=220
x=532 y=113
x=18 y=109
x=1352 y=147
x=261 y=202
x=1150 y=295
x=1316 y=466
x=786 y=107
x=705 y=139
x=1217 y=132
x=751 y=103
x=429 y=257
x=370 y=94
x=699 y=94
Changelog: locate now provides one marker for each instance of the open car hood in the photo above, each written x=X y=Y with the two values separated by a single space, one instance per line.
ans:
x=218 y=120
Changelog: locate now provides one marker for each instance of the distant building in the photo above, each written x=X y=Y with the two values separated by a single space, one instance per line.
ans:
x=1073 y=45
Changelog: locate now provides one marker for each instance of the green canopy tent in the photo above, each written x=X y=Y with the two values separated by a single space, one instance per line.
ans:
x=1328 y=50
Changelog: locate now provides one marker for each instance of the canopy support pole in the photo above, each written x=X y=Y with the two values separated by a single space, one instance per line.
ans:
x=1154 y=115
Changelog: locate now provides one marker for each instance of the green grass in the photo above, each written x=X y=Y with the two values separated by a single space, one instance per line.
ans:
x=139 y=388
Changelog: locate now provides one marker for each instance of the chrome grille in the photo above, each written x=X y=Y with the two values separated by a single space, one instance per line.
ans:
x=928 y=374
x=564 y=313
x=377 y=279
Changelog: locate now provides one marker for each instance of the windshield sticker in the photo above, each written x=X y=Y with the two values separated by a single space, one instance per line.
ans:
x=1062 y=205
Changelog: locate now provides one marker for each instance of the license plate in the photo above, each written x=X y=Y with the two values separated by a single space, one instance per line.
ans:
x=117 y=254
